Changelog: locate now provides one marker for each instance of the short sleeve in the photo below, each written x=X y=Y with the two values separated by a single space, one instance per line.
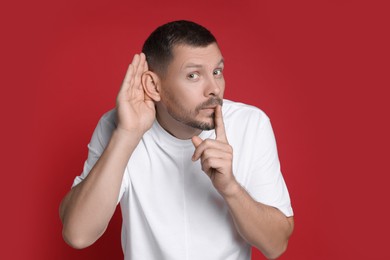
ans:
x=266 y=183
x=100 y=138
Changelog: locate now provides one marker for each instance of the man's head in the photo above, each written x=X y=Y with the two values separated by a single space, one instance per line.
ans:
x=158 y=47
x=185 y=77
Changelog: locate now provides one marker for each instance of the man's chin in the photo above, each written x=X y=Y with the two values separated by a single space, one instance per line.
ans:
x=205 y=125
x=205 y=122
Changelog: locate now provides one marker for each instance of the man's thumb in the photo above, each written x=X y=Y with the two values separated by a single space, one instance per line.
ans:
x=196 y=140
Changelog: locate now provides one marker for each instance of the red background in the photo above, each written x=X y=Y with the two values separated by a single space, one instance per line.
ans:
x=319 y=69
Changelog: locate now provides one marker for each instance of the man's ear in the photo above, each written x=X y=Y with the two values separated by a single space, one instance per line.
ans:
x=151 y=85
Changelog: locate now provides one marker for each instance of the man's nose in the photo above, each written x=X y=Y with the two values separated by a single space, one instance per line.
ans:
x=213 y=87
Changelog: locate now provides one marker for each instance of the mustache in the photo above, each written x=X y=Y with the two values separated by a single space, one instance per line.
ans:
x=209 y=103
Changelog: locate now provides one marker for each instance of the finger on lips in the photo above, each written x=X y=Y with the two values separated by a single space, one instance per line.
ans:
x=202 y=145
x=219 y=125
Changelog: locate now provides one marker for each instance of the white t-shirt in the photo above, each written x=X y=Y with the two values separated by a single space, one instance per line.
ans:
x=169 y=206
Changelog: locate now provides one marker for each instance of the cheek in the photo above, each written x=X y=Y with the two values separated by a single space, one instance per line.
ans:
x=178 y=98
x=189 y=92
x=222 y=86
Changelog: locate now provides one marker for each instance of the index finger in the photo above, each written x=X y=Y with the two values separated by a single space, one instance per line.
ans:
x=129 y=77
x=219 y=125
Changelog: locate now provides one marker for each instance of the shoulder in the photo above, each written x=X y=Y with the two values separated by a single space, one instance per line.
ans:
x=109 y=118
x=105 y=128
x=107 y=122
x=240 y=113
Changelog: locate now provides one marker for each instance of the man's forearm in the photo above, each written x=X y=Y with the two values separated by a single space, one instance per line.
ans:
x=88 y=207
x=262 y=226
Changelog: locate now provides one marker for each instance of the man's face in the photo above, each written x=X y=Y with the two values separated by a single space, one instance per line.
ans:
x=193 y=85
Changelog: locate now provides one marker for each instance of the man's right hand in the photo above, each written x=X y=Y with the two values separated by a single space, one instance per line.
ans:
x=135 y=110
x=87 y=209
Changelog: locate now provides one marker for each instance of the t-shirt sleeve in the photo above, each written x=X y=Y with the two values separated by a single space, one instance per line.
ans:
x=100 y=138
x=266 y=183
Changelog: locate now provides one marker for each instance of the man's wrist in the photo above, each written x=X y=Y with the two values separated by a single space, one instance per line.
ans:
x=126 y=134
x=231 y=190
x=126 y=138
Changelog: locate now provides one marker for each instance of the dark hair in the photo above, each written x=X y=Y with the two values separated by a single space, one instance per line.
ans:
x=158 y=46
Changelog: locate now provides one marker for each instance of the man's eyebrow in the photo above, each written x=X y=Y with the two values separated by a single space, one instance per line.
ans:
x=195 y=65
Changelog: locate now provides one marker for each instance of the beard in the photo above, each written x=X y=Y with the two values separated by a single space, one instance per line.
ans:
x=182 y=114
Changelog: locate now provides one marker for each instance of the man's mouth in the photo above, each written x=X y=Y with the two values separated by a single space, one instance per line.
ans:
x=210 y=107
x=210 y=104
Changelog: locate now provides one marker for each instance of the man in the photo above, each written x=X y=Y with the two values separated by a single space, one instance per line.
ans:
x=195 y=179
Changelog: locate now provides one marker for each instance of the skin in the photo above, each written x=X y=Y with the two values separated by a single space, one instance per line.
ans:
x=87 y=209
x=191 y=88
x=185 y=101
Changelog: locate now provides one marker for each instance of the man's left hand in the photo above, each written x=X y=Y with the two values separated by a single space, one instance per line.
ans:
x=216 y=157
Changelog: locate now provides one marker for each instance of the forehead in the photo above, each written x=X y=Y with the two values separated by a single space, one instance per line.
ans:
x=202 y=56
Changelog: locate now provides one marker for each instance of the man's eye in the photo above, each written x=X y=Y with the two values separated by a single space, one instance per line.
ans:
x=193 y=76
x=217 y=72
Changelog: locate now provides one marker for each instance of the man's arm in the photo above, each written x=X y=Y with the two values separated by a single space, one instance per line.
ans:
x=87 y=209
x=262 y=226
